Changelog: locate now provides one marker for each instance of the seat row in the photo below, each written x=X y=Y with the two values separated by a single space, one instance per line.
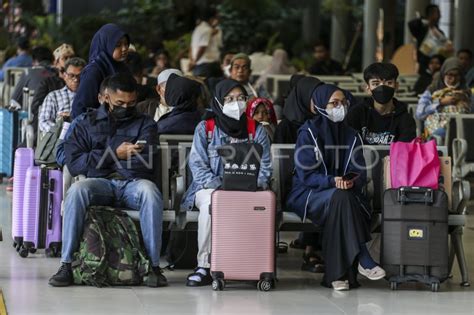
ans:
x=174 y=176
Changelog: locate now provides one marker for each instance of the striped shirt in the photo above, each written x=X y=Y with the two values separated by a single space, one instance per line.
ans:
x=55 y=102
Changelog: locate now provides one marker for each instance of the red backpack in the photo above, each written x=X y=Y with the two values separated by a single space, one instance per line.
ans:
x=211 y=124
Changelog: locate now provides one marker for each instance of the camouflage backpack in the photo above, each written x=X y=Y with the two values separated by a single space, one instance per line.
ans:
x=110 y=252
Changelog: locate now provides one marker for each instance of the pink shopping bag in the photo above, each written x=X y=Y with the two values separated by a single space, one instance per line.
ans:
x=414 y=164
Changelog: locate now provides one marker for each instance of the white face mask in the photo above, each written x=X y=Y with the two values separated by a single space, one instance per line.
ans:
x=336 y=114
x=227 y=71
x=234 y=109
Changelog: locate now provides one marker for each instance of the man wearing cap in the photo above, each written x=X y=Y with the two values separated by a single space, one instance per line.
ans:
x=240 y=71
x=61 y=55
x=156 y=108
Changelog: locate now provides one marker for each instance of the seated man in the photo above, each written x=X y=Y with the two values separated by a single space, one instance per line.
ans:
x=58 y=103
x=103 y=148
x=323 y=64
x=240 y=71
x=157 y=107
x=382 y=119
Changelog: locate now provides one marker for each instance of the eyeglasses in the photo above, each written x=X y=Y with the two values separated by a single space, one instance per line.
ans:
x=338 y=103
x=73 y=76
x=238 y=98
x=241 y=67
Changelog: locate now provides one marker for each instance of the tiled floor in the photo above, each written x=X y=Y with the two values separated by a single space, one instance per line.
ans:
x=25 y=289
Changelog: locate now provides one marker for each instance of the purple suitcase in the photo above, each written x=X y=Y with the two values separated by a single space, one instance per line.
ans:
x=42 y=211
x=24 y=158
x=243 y=237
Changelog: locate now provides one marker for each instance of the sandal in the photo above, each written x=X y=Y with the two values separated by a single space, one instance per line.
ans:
x=200 y=277
x=313 y=263
x=296 y=244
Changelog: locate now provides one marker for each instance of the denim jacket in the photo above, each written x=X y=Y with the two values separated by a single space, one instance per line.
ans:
x=206 y=165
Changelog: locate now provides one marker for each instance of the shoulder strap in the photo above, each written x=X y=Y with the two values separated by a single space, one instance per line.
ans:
x=210 y=125
x=251 y=127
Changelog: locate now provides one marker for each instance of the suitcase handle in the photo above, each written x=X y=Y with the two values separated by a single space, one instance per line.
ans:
x=415 y=195
x=50 y=211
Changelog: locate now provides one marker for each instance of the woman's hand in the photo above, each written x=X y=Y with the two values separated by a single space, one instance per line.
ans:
x=447 y=100
x=343 y=184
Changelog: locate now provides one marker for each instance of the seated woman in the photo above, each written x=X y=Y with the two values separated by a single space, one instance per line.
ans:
x=448 y=94
x=230 y=126
x=182 y=95
x=261 y=110
x=326 y=149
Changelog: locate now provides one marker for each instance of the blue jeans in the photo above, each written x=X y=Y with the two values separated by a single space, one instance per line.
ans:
x=141 y=195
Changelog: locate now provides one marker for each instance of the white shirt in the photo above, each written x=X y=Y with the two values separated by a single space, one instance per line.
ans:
x=202 y=37
x=260 y=62
x=161 y=110
x=250 y=90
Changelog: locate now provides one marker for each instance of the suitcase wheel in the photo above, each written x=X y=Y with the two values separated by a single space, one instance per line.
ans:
x=32 y=250
x=53 y=251
x=264 y=285
x=23 y=252
x=218 y=285
x=434 y=287
x=394 y=286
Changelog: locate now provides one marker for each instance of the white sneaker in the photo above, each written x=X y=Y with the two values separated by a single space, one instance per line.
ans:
x=375 y=273
x=340 y=285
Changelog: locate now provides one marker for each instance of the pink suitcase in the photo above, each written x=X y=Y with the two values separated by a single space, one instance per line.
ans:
x=24 y=158
x=42 y=211
x=243 y=238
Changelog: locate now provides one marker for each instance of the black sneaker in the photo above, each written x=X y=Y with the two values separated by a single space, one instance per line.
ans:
x=63 y=277
x=156 y=278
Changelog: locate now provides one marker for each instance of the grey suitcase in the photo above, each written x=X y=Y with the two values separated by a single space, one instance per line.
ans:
x=415 y=236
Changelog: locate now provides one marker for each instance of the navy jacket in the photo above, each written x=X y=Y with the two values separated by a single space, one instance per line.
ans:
x=313 y=181
x=90 y=148
x=101 y=65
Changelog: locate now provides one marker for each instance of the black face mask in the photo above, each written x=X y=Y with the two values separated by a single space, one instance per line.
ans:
x=122 y=114
x=382 y=94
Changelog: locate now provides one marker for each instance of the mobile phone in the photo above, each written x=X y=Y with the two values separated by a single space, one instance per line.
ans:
x=350 y=176
x=142 y=142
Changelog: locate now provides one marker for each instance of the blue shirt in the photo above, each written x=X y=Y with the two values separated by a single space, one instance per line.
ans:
x=22 y=60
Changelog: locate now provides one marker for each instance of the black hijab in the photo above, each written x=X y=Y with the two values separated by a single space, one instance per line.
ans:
x=232 y=127
x=181 y=93
x=296 y=108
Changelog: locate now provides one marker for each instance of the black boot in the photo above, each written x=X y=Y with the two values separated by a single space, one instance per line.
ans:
x=63 y=277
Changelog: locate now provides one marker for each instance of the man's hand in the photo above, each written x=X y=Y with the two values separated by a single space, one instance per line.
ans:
x=64 y=114
x=343 y=184
x=127 y=149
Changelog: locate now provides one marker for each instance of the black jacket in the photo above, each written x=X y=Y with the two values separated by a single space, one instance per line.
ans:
x=376 y=129
x=49 y=84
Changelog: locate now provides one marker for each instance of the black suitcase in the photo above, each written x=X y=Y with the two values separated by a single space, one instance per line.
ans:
x=415 y=236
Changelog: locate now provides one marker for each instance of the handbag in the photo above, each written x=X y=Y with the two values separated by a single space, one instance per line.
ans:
x=414 y=164
x=241 y=165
